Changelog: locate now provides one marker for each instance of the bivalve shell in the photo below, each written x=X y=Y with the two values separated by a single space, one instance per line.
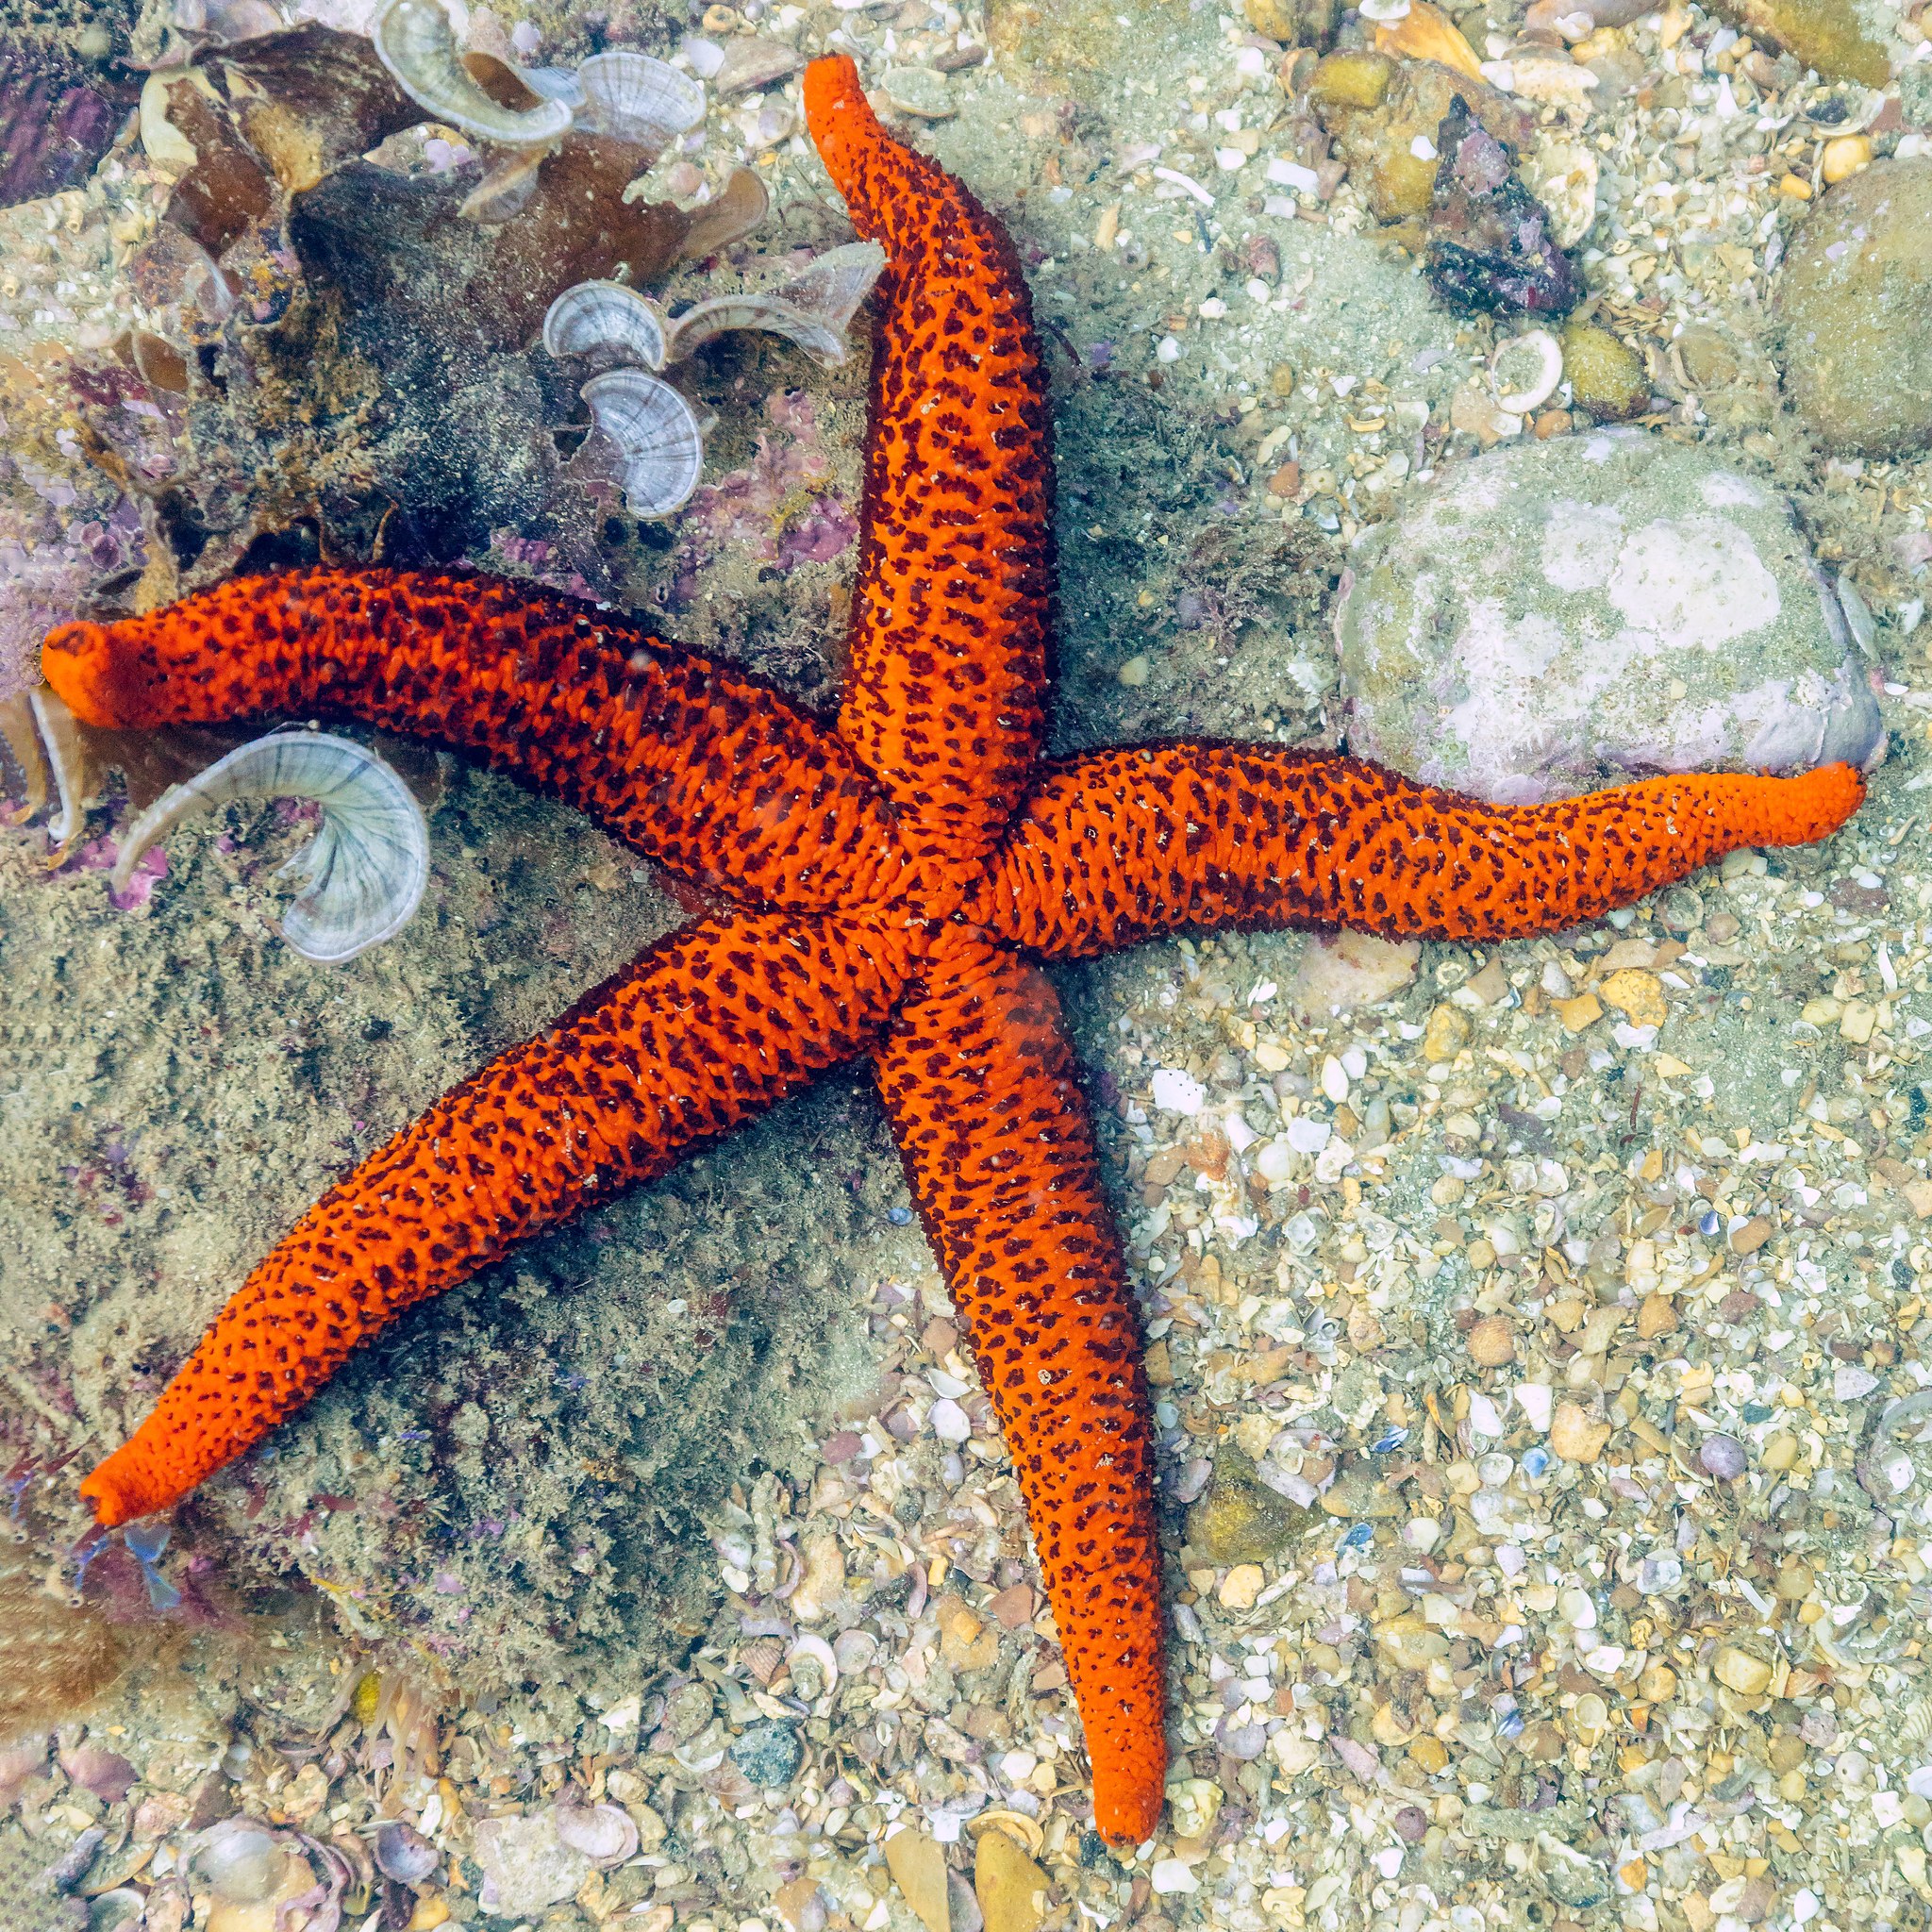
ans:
x=603 y=1833
x=656 y=433
x=413 y=39
x=607 y=316
x=360 y=877
x=632 y=98
x=814 y=311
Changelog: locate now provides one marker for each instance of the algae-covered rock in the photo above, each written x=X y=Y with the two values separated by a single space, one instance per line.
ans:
x=1826 y=35
x=1606 y=376
x=1558 y=615
x=1854 y=310
x=1239 y=1520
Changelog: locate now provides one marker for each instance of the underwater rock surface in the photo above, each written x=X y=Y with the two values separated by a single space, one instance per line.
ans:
x=1854 y=308
x=1565 y=614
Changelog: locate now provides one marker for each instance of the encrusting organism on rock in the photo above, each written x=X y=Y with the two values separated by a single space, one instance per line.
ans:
x=898 y=876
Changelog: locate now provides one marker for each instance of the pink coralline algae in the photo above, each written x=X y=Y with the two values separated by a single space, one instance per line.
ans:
x=98 y=854
x=50 y=557
x=781 y=509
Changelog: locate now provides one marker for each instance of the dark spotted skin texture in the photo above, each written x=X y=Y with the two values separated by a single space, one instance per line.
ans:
x=945 y=690
x=898 y=878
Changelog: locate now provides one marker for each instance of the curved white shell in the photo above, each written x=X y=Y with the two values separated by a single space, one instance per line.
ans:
x=1526 y=370
x=633 y=97
x=605 y=315
x=413 y=41
x=362 y=876
x=603 y=1833
x=656 y=437
x=814 y=311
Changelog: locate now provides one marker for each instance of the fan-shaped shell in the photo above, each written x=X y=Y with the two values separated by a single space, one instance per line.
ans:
x=360 y=877
x=605 y=315
x=633 y=97
x=656 y=437
x=413 y=41
x=815 y=311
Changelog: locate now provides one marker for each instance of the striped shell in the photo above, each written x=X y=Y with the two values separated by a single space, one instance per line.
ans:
x=660 y=449
x=605 y=316
x=632 y=98
x=360 y=877
x=413 y=41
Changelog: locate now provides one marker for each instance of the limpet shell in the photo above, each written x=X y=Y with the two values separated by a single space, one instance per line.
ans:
x=360 y=877
x=815 y=1650
x=413 y=39
x=1526 y=370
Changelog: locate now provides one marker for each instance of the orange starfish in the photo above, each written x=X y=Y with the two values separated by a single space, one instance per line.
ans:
x=899 y=873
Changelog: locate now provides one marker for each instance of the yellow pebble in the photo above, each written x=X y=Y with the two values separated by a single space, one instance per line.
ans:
x=1849 y=154
x=1796 y=188
x=1429 y=1755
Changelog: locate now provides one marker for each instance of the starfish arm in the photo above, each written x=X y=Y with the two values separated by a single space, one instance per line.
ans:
x=690 y=761
x=943 y=696
x=1116 y=845
x=709 y=1028
x=981 y=1091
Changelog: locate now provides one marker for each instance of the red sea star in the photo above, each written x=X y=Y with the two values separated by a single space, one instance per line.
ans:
x=900 y=874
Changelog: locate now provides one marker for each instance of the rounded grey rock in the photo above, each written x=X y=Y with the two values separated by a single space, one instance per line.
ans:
x=1553 y=617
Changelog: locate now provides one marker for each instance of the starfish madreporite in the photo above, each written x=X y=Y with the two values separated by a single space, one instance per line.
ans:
x=901 y=873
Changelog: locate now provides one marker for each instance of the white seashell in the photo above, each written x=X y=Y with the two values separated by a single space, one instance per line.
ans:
x=815 y=311
x=1563 y=177
x=242 y=1861
x=1526 y=370
x=413 y=41
x=605 y=315
x=603 y=1833
x=362 y=876
x=656 y=437
x=635 y=98
x=67 y=763
x=1385 y=11
x=820 y=1652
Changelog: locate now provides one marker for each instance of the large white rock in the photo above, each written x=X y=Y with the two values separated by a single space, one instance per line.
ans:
x=1556 y=616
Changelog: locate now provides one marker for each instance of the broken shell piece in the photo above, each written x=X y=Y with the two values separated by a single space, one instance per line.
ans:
x=362 y=876
x=924 y=92
x=731 y=214
x=815 y=311
x=1423 y=32
x=506 y=190
x=820 y=1673
x=603 y=1833
x=1384 y=9
x=608 y=316
x=632 y=98
x=1526 y=370
x=660 y=449
x=68 y=760
x=413 y=41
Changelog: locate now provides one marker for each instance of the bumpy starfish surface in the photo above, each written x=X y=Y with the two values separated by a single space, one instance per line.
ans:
x=901 y=873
